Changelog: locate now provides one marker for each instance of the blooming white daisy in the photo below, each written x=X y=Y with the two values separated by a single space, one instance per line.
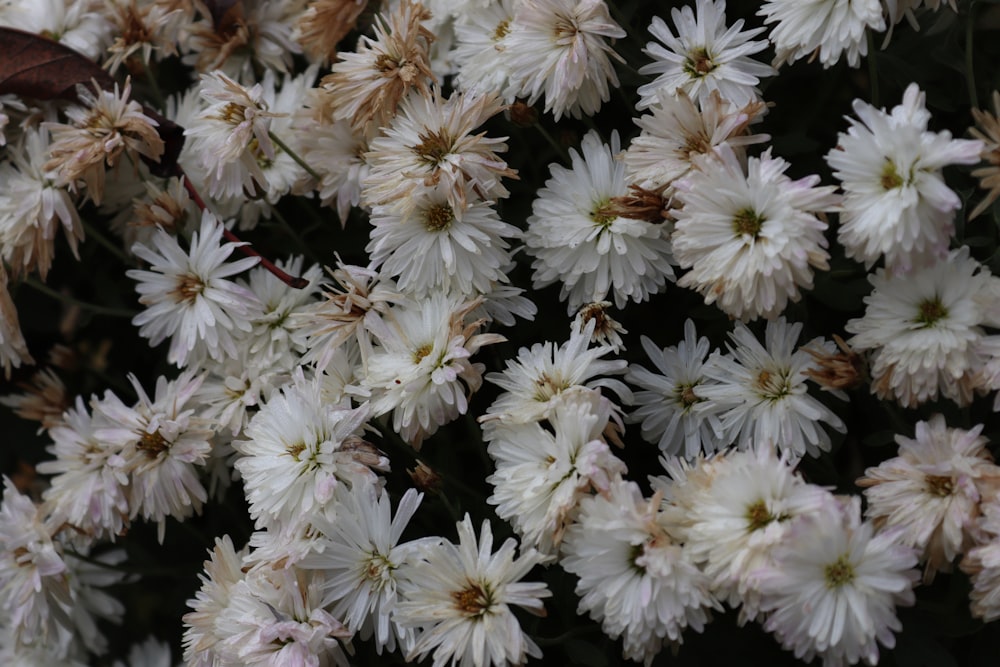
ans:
x=762 y=395
x=677 y=132
x=336 y=152
x=162 y=444
x=831 y=28
x=188 y=295
x=361 y=558
x=541 y=474
x=534 y=380
x=481 y=44
x=33 y=208
x=982 y=563
x=459 y=598
x=704 y=56
x=925 y=330
x=578 y=241
x=298 y=449
x=667 y=400
x=732 y=510
x=634 y=578
x=560 y=49
x=750 y=239
x=430 y=143
x=420 y=368
x=74 y=24
x=930 y=493
x=834 y=586
x=440 y=248
x=895 y=200
x=221 y=572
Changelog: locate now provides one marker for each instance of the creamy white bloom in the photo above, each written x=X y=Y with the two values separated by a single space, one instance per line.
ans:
x=459 y=598
x=73 y=24
x=704 y=56
x=578 y=241
x=221 y=572
x=832 y=28
x=336 y=152
x=541 y=474
x=752 y=238
x=560 y=49
x=188 y=296
x=834 y=586
x=762 y=392
x=634 y=578
x=896 y=202
x=481 y=48
x=982 y=563
x=930 y=493
x=667 y=400
x=925 y=330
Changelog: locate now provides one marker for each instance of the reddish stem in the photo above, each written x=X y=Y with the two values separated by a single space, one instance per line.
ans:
x=292 y=281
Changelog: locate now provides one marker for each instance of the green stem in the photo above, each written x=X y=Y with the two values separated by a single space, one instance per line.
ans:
x=92 y=307
x=295 y=156
x=104 y=241
x=872 y=69
x=154 y=86
x=970 y=76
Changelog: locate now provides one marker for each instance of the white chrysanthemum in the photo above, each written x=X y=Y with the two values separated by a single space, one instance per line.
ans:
x=336 y=152
x=560 y=49
x=732 y=510
x=677 y=132
x=925 y=330
x=895 y=200
x=420 y=368
x=440 y=248
x=761 y=391
x=929 y=494
x=481 y=44
x=830 y=28
x=74 y=24
x=751 y=239
x=703 y=57
x=666 y=404
x=32 y=208
x=162 y=444
x=298 y=449
x=578 y=241
x=833 y=587
x=275 y=617
x=430 y=144
x=459 y=598
x=633 y=577
x=541 y=474
x=361 y=558
x=13 y=347
x=982 y=563
x=86 y=467
x=221 y=572
x=188 y=296
x=533 y=381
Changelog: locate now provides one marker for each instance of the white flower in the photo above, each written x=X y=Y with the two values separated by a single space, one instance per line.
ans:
x=751 y=239
x=829 y=27
x=74 y=24
x=982 y=563
x=440 y=248
x=541 y=474
x=833 y=587
x=13 y=347
x=221 y=572
x=677 y=132
x=162 y=445
x=420 y=368
x=298 y=449
x=430 y=143
x=361 y=558
x=481 y=45
x=666 y=404
x=633 y=577
x=336 y=152
x=762 y=392
x=533 y=381
x=732 y=510
x=895 y=200
x=560 y=48
x=925 y=330
x=188 y=296
x=703 y=57
x=930 y=493
x=577 y=241
x=459 y=597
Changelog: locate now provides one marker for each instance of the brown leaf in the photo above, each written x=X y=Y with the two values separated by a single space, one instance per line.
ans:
x=38 y=67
